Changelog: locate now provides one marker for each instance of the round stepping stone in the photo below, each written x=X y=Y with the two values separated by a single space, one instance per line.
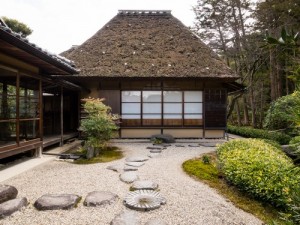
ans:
x=155 y=151
x=179 y=146
x=136 y=164
x=100 y=198
x=193 y=146
x=136 y=159
x=154 y=155
x=130 y=168
x=157 y=148
x=144 y=200
x=9 y=207
x=125 y=218
x=144 y=184
x=208 y=144
x=57 y=201
x=129 y=177
x=156 y=222
x=7 y=192
x=116 y=168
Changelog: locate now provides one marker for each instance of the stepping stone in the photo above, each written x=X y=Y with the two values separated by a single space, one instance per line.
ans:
x=144 y=200
x=57 y=201
x=116 y=168
x=208 y=144
x=157 y=148
x=9 y=207
x=154 y=155
x=156 y=221
x=129 y=177
x=163 y=145
x=155 y=151
x=100 y=198
x=7 y=192
x=125 y=218
x=136 y=159
x=136 y=164
x=193 y=146
x=179 y=146
x=130 y=168
x=166 y=138
x=144 y=184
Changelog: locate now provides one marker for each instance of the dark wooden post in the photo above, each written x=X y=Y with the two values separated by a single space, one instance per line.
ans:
x=18 y=110
x=61 y=116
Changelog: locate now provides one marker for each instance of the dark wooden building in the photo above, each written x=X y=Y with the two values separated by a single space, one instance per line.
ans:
x=36 y=110
x=155 y=73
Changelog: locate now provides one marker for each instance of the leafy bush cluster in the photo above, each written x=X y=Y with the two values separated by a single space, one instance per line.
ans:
x=260 y=169
x=259 y=133
x=295 y=149
x=281 y=114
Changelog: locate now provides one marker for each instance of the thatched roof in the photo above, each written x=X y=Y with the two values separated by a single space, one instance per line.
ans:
x=147 y=44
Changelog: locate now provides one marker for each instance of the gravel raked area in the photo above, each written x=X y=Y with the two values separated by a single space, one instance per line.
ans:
x=189 y=202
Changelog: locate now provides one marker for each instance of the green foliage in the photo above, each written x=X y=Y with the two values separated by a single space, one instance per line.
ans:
x=280 y=113
x=100 y=125
x=17 y=26
x=259 y=133
x=260 y=169
x=206 y=159
x=295 y=149
x=156 y=141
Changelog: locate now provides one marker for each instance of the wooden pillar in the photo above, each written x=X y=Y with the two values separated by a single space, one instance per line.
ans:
x=18 y=109
x=61 y=116
x=41 y=121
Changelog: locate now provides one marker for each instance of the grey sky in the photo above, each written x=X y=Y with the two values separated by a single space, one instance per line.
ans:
x=59 y=24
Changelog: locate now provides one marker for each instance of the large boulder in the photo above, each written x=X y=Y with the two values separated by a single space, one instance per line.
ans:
x=7 y=192
x=57 y=201
x=165 y=138
x=100 y=198
x=125 y=218
x=9 y=207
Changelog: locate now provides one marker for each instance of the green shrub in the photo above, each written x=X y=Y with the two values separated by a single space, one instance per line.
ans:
x=295 y=149
x=280 y=114
x=206 y=159
x=260 y=169
x=259 y=133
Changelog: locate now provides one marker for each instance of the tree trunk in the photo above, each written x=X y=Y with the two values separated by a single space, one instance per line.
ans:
x=246 y=113
x=238 y=113
x=272 y=77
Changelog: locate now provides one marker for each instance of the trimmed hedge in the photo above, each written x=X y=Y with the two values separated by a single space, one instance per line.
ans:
x=260 y=169
x=249 y=132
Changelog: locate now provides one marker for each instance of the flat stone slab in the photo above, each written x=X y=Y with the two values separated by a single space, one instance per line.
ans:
x=144 y=200
x=156 y=221
x=137 y=159
x=136 y=164
x=154 y=155
x=155 y=151
x=125 y=218
x=9 y=207
x=157 y=148
x=179 y=146
x=116 y=168
x=193 y=146
x=57 y=201
x=208 y=144
x=130 y=168
x=99 y=198
x=7 y=192
x=144 y=184
x=129 y=177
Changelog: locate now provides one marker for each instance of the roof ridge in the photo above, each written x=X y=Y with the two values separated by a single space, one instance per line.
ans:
x=144 y=12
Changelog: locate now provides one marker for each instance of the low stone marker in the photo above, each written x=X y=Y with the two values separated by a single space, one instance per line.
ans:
x=125 y=218
x=136 y=164
x=57 y=201
x=156 y=221
x=7 y=192
x=100 y=198
x=144 y=184
x=129 y=177
x=144 y=200
x=136 y=159
x=9 y=207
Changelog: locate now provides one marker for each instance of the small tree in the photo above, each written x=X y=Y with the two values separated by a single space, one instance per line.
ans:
x=17 y=26
x=100 y=124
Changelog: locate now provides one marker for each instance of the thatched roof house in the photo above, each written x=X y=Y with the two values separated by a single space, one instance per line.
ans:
x=165 y=79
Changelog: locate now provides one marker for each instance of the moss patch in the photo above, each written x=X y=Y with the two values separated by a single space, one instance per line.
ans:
x=209 y=174
x=108 y=154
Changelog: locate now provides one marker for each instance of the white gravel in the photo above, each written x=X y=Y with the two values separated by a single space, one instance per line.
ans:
x=188 y=201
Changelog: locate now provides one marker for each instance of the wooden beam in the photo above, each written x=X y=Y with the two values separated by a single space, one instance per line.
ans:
x=61 y=116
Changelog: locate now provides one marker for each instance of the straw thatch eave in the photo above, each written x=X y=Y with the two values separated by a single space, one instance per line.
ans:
x=147 y=45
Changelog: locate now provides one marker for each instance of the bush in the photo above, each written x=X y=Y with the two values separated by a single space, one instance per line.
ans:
x=260 y=169
x=259 y=133
x=295 y=149
x=100 y=125
x=280 y=114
